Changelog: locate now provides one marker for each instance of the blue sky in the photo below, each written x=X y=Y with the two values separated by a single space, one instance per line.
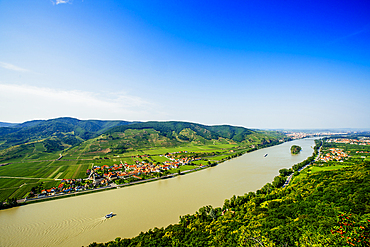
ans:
x=258 y=64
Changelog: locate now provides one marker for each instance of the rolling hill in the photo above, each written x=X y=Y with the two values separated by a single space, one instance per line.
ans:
x=65 y=130
x=65 y=148
x=35 y=139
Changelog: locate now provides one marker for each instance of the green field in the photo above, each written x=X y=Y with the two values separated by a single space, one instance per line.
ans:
x=219 y=157
x=317 y=168
x=183 y=168
x=158 y=158
x=75 y=163
x=325 y=168
x=36 y=157
x=10 y=187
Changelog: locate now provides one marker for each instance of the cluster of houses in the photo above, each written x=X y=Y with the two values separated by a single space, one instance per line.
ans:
x=66 y=186
x=104 y=175
x=351 y=141
x=334 y=154
x=123 y=171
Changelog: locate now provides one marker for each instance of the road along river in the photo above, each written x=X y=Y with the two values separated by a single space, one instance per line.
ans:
x=77 y=221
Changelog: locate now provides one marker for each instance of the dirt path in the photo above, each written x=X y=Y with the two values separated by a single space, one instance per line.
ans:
x=51 y=175
x=77 y=171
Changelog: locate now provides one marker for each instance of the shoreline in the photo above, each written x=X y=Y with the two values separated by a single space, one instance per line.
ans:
x=102 y=189
x=24 y=202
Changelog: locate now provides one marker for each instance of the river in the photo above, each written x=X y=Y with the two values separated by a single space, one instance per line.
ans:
x=78 y=221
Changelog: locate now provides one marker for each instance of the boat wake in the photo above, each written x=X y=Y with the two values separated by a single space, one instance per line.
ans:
x=55 y=234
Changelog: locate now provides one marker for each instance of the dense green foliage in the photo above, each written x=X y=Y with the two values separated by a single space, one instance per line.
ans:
x=56 y=135
x=41 y=129
x=295 y=149
x=172 y=128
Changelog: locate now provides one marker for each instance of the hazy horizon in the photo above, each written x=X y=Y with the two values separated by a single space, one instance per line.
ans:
x=275 y=65
x=272 y=129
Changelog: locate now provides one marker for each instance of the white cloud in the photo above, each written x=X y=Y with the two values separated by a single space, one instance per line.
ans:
x=12 y=67
x=22 y=102
x=61 y=1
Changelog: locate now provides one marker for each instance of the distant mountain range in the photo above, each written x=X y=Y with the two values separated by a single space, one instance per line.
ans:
x=3 y=124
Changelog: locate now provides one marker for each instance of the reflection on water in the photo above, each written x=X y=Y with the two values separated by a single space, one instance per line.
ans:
x=80 y=220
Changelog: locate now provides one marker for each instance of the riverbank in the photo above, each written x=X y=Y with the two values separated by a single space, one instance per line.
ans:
x=211 y=213
x=237 y=153
x=325 y=208
x=297 y=168
x=112 y=186
x=79 y=220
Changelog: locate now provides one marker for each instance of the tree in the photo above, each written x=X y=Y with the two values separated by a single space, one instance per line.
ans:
x=284 y=172
x=278 y=181
x=295 y=149
x=212 y=213
x=12 y=202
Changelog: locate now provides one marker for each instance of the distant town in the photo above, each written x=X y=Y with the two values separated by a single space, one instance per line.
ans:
x=300 y=135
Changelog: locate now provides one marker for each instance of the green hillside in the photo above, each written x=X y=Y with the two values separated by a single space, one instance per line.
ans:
x=168 y=129
x=155 y=137
x=64 y=148
x=77 y=138
x=184 y=131
x=59 y=128
x=4 y=124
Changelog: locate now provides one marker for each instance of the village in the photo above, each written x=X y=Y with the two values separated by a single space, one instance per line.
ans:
x=140 y=170
x=335 y=154
x=105 y=176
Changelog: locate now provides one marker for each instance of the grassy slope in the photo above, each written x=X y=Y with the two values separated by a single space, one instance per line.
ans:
x=37 y=159
x=69 y=129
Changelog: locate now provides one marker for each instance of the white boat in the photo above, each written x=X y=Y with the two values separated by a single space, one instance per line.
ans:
x=109 y=215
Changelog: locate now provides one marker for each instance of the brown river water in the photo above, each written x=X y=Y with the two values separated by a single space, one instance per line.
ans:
x=79 y=221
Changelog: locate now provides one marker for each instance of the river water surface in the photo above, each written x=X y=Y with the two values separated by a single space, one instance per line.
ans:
x=78 y=221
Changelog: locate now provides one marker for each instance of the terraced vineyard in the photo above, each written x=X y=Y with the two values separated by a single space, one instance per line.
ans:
x=55 y=149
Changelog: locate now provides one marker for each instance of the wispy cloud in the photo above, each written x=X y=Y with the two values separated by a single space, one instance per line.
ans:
x=12 y=67
x=60 y=1
x=42 y=102
x=363 y=30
